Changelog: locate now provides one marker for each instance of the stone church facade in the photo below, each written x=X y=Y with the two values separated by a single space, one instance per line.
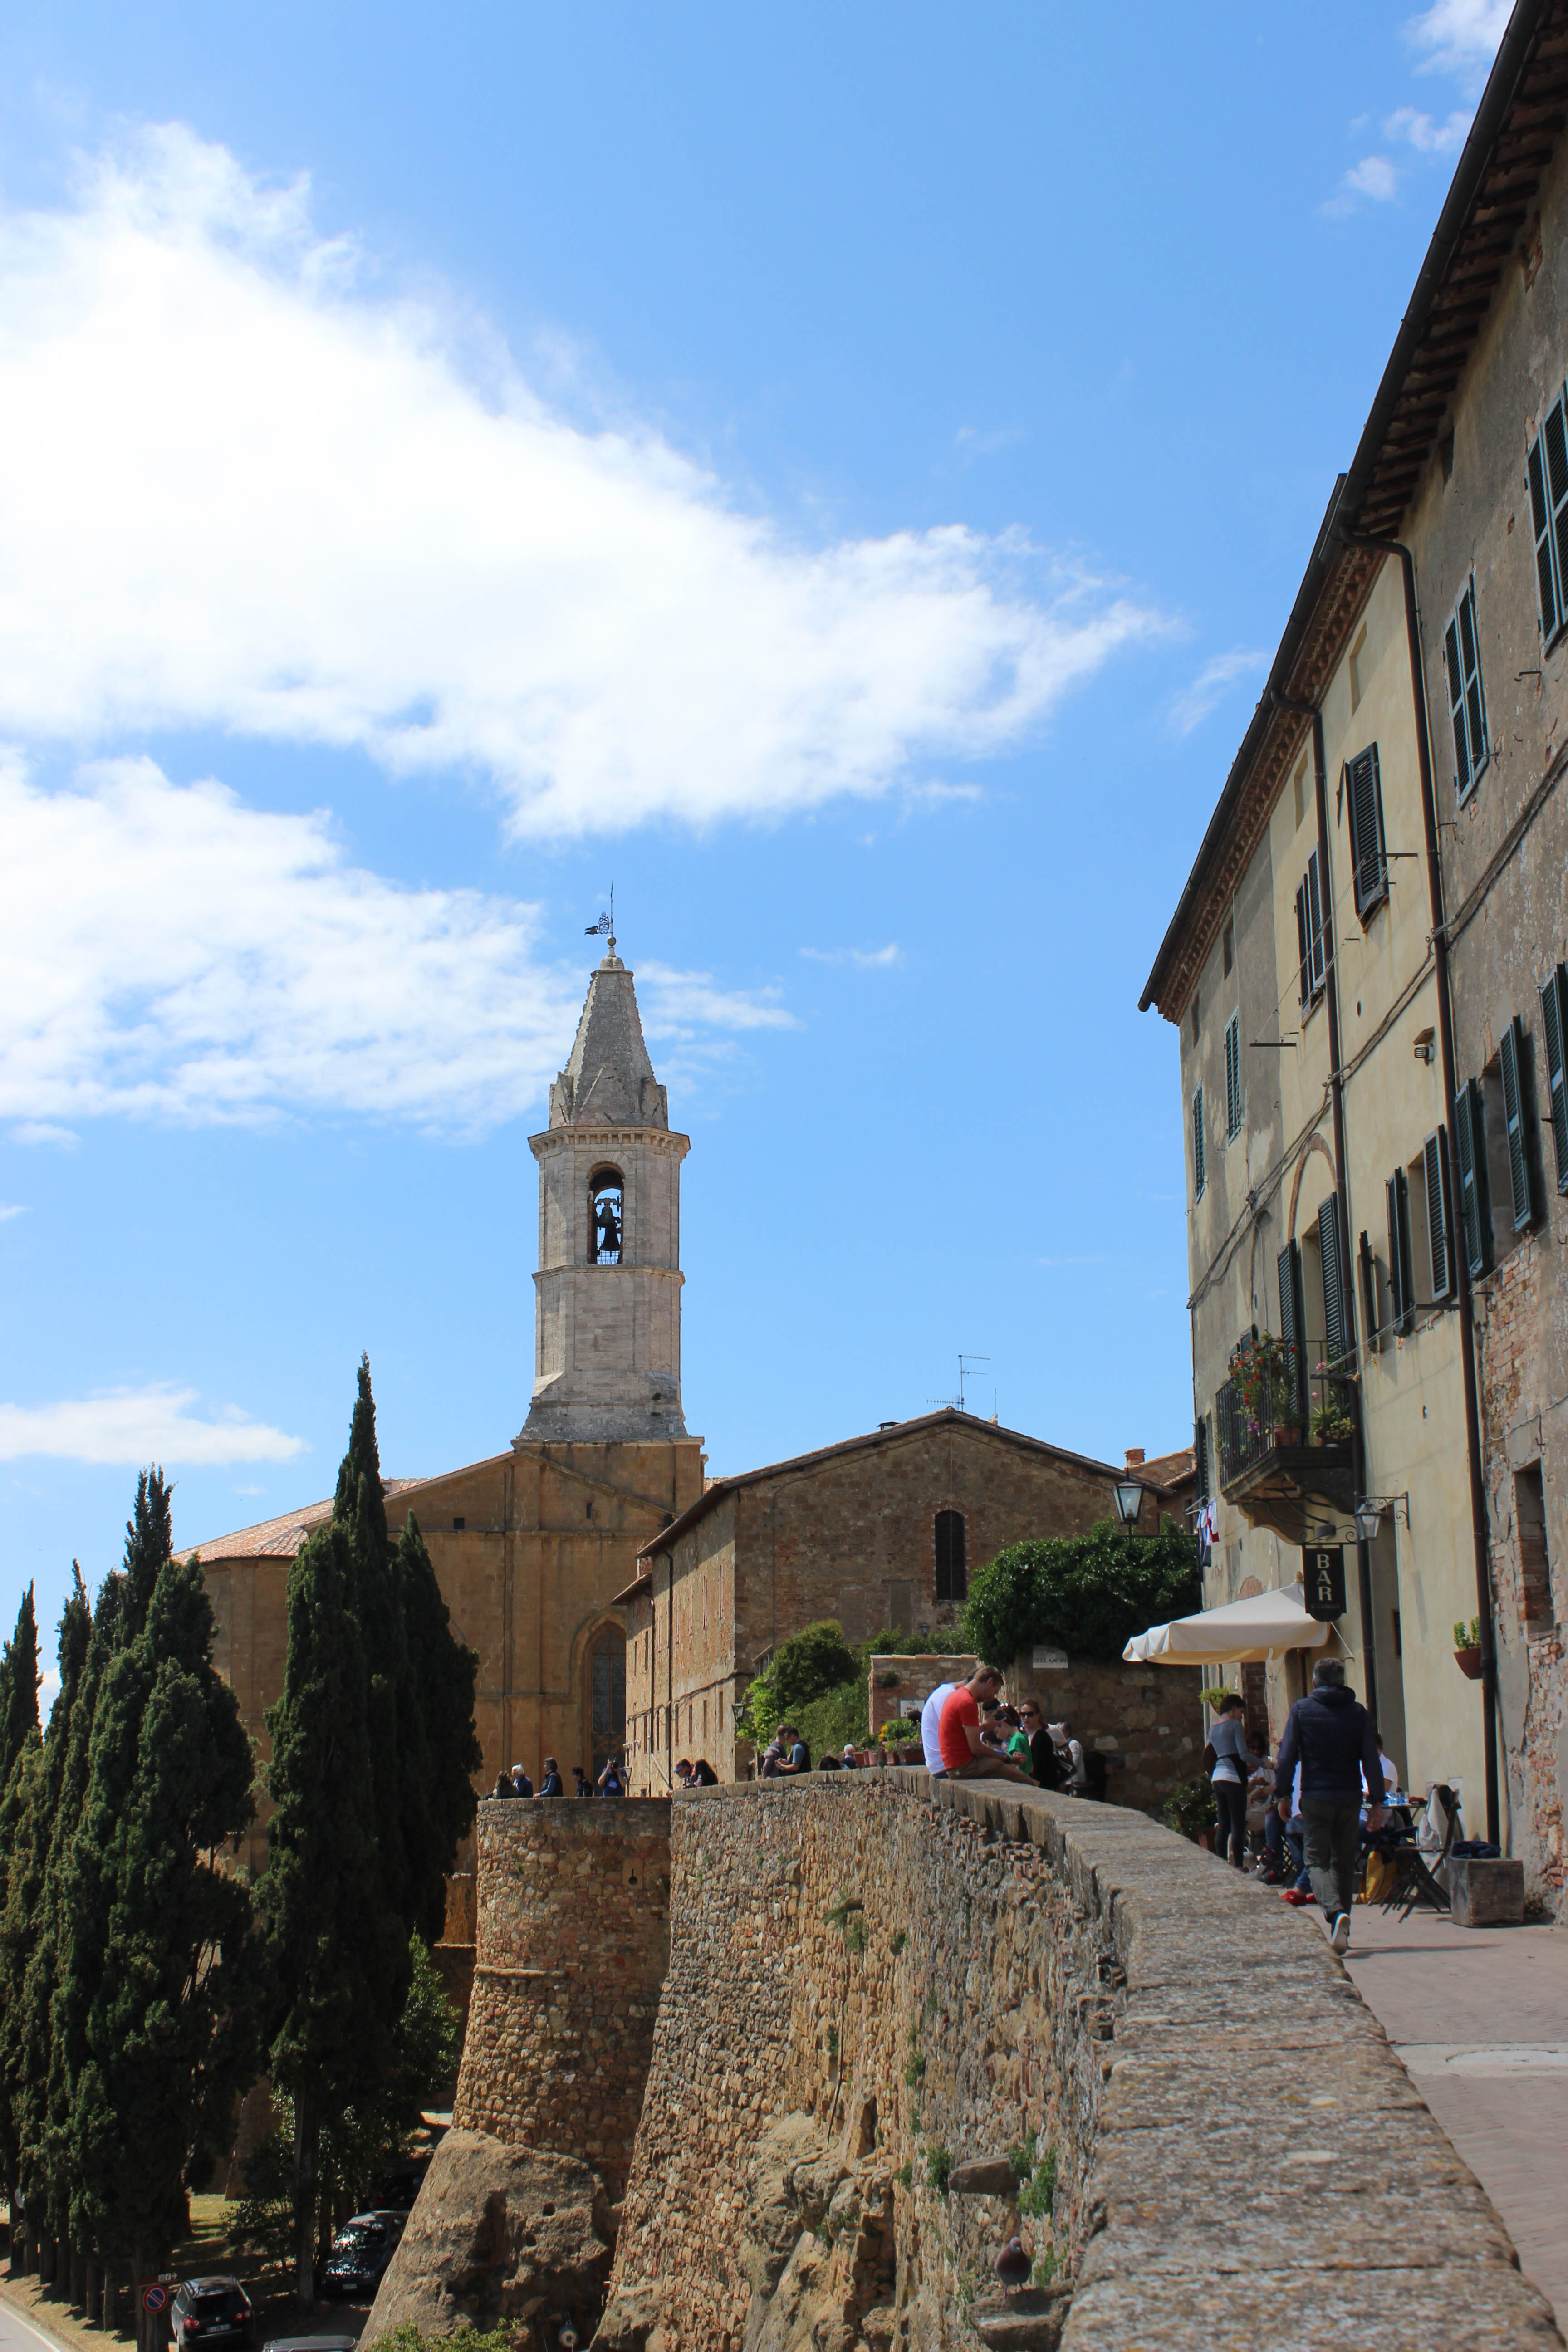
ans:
x=533 y=1544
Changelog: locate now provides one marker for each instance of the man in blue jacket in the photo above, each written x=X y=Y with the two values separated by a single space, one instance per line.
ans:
x=1330 y=1735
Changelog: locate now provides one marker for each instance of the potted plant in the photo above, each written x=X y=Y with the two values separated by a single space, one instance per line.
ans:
x=1190 y=1809
x=1468 y=1647
x=1264 y=1371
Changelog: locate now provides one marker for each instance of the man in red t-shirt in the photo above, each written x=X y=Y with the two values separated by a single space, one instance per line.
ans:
x=964 y=1756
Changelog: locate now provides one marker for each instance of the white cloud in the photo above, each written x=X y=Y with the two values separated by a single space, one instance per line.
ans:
x=863 y=958
x=9 y=1210
x=169 y=951
x=1460 y=37
x=49 y=1690
x=242 y=485
x=1428 y=138
x=137 y=1426
x=43 y=1130
x=1192 y=706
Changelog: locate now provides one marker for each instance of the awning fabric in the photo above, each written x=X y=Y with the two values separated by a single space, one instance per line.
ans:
x=1242 y=1634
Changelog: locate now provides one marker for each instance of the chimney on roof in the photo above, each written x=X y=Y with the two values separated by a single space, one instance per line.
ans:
x=1135 y=1457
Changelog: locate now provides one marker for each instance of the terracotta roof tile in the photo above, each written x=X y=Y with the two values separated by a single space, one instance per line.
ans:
x=282 y=1538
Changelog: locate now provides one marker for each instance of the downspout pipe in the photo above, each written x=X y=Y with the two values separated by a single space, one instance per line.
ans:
x=1450 y=1088
x=1314 y=712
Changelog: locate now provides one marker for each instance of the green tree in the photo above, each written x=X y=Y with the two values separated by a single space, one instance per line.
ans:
x=149 y=1543
x=338 y=1951
x=814 y=1660
x=442 y=1703
x=1091 y=1593
x=18 y=1689
x=168 y=2038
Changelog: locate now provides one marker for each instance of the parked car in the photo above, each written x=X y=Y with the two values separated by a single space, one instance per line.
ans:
x=395 y=2191
x=360 y=2253
x=211 y=2311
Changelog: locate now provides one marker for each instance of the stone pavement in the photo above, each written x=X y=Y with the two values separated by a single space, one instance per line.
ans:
x=1481 y=2017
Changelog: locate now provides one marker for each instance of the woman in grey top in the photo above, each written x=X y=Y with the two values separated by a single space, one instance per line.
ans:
x=1233 y=1766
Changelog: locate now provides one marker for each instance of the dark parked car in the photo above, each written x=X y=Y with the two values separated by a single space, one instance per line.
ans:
x=395 y=2192
x=211 y=2311
x=361 y=2251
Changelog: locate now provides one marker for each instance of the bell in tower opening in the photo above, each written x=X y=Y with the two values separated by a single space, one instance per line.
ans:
x=606 y=1215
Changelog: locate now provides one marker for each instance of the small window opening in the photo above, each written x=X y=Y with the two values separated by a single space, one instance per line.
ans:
x=1228 y=949
x=952 y=1560
x=1534 y=1566
x=606 y=1217
x=588 y=1509
x=457 y=1526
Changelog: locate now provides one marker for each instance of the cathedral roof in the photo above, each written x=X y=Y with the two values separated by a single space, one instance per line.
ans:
x=608 y=1080
x=281 y=1539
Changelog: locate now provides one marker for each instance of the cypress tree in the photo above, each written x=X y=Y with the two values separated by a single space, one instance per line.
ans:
x=168 y=2040
x=444 y=1745
x=338 y=1950
x=18 y=1689
x=359 y=1506
x=149 y=1543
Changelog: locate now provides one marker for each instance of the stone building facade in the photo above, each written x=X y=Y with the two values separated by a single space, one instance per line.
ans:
x=533 y=1544
x=880 y=1531
x=1379 y=897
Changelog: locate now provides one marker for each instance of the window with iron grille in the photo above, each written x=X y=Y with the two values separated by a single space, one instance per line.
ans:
x=1554 y=1020
x=1467 y=702
x=1547 y=465
x=1197 y=1143
x=1369 y=860
x=952 y=1558
x=1232 y=1076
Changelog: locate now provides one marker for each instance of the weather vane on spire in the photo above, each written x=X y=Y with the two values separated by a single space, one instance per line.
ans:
x=605 y=926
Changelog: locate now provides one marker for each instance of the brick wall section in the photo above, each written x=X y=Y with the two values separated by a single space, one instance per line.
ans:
x=573 y=1943
x=1242 y=2158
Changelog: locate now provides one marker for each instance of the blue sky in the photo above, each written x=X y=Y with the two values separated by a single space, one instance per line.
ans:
x=837 y=474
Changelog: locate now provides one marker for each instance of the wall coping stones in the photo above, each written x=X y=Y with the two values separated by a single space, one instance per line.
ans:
x=1264 y=2171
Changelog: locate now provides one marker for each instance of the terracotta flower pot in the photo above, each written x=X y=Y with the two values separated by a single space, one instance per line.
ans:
x=1290 y=1436
x=1469 y=1660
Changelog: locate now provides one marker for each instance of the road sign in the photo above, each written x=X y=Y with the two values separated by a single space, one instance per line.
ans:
x=154 y=2298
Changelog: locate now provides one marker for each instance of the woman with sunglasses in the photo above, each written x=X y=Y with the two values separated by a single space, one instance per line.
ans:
x=1043 y=1761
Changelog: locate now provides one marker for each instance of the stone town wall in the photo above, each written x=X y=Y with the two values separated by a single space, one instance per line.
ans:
x=1145 y=1721
x=874 y=1977
x=573 y=1943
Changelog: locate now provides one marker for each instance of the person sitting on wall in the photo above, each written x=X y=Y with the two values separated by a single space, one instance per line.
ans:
x=930 y=1721
x=503 y=1787
x=522 y=1786
x=849 y=1759
x=552 y=1785
x=771 y=1761
x=584 y=1786
x=1069 y=1755
x=797 y=1757
x=964 y=1755
x=704 y=1776
x=613 y=1779
x=683 y=1771
x=1045 y=1765
x=830 y=1763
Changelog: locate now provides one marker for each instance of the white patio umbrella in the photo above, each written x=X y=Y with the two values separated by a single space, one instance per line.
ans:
x=1242 y=1634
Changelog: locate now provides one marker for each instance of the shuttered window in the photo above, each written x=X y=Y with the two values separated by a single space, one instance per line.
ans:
x=1371 y=1321
x=1400 y=1278
x=1435 y=1153
x=1466 y=703
x=1312 y=937
x=952 y=1557
x=1197 y=1143
x=1302 y=948
x=1201 y=1454
x=1554 y=1020
x=1363 y=790
x=1232 y=1074
x=1475 y=1208
x=1511 y=1063
x=1339 y=1333
x=1548 y=468
x=1293 y=1322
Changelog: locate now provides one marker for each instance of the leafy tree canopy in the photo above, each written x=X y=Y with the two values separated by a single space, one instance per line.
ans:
x=1089 y=1593
x=19 y=1687
x=814 y=1660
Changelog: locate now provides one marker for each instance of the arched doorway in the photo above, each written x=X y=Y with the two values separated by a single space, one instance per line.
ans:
x=606 y=1697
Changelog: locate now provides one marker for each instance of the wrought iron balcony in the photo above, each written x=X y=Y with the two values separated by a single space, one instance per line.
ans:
x=1271 y=1467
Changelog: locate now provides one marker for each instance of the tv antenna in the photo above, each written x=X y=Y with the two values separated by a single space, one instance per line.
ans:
x=958 y=1403
x=605 y=926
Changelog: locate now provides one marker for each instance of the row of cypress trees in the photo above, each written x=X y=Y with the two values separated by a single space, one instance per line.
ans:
x=142 y=1984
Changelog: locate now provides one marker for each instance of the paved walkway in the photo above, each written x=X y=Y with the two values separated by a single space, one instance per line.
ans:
x=1481 y=2017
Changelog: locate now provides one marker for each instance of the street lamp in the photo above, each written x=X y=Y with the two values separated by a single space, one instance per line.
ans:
x=1128 y=1496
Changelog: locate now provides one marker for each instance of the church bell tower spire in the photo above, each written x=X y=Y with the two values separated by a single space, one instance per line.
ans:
x=607 y=1291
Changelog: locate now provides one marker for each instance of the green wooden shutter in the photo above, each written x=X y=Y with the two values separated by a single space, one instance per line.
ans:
x=1364 y=791
x=1293 y=1324
x=1197 y=1143
x=1554 y=433
x=1399 y=1286
x=1541 y=528
x=1510 y=1058
x=1555 y=1019
x=1339 y=1338
x=1435 y=1153
x=1457 y=709
x=1233 y=1075
x=1201 y=1454
x=1302 y=945
x=1371 y=1321
x=1474 y=1207
x=1474 y=696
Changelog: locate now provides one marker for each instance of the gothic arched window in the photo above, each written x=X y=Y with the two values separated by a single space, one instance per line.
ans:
x=951 y=1557
x=606 y=1697
x=606 y=1217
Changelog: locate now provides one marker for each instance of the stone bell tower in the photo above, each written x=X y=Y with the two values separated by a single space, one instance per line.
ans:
x=607 y=1292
